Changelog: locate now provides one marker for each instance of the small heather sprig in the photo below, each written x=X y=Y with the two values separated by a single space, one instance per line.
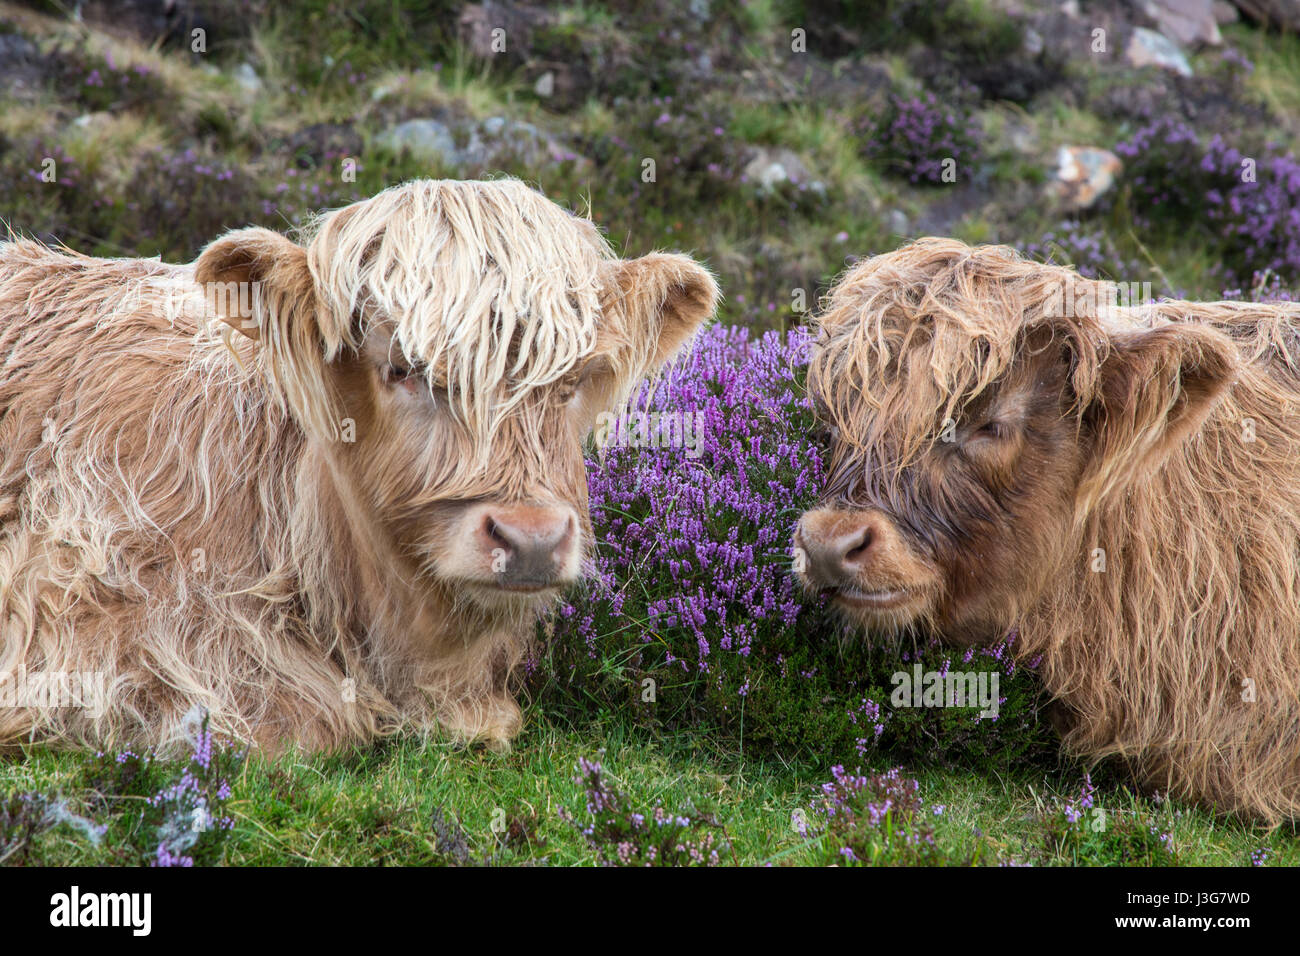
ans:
x=622 y=836
x=1082 y=832
x=877 y=820
x=190 y=813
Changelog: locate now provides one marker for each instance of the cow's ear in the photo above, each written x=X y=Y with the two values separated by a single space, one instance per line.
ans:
x=1156 y=388
x=259 y=283
x=666 y=297
x=248 y=273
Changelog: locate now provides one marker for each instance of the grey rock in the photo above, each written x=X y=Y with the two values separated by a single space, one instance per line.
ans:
x=1149 y=48
x=1225 y=13
x=247 y=78
x=426 y=139
x=497 y=137
x=1033 y=42
x=487 y=143
x=769 y=167
x=22 y=66
x=90 y=120
x=1021 y=136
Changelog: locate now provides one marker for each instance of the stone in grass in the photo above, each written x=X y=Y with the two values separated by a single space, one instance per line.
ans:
x=1083 y=175
x=1148 y=48
x=1225 y=13
x=486 y=143
x=768 y=168
x=248 y=79
x=497 y=138
x=428 y=140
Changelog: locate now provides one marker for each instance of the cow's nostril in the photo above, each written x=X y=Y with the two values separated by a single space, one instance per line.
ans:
x=494 y=535
x=857 y=552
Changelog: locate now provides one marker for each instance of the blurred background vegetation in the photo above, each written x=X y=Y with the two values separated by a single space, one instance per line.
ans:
x=787 y=136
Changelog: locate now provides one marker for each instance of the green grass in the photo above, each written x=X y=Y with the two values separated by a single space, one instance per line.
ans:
x=380 y=806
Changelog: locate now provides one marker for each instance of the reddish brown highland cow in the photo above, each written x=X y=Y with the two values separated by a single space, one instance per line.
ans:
x=344 y=519
x=1121 y=484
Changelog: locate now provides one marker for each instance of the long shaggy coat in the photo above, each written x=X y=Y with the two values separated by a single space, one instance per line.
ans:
x=244 y=484
x=1119 y=482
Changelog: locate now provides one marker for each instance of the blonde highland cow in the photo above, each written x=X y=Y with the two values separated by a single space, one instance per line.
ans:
x=1119 y=483
x=321 y=490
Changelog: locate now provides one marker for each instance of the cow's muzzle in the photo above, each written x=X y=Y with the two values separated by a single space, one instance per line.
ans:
x=858 y=559
x=526 y=548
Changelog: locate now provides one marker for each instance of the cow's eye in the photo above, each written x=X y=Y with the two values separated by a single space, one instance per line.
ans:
x=992 y=429
x=595 y=369
x=407 y=378
x=395 y=374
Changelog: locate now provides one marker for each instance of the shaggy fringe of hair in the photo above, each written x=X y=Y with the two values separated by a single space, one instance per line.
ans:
x=493 y=289
x=491 y=292
x=1202 y=589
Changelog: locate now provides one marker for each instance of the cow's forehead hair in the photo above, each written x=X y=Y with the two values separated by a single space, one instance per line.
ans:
x=909 y=338
x=491 y=287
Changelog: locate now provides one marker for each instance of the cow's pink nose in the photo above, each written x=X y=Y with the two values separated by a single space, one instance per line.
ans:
x=836 y=548
x=528 y=546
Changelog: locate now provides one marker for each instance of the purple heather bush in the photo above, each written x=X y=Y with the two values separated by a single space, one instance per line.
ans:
x=695 y=159
x=42 y=187
x=690 y=615
x=100 y=83
x=1243 y=199
x=915 y=135
x=1161 y=168
x=1259 y=212
x=194 y=196
x=1089 y=249
x=624 y=836
x=197 y=197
